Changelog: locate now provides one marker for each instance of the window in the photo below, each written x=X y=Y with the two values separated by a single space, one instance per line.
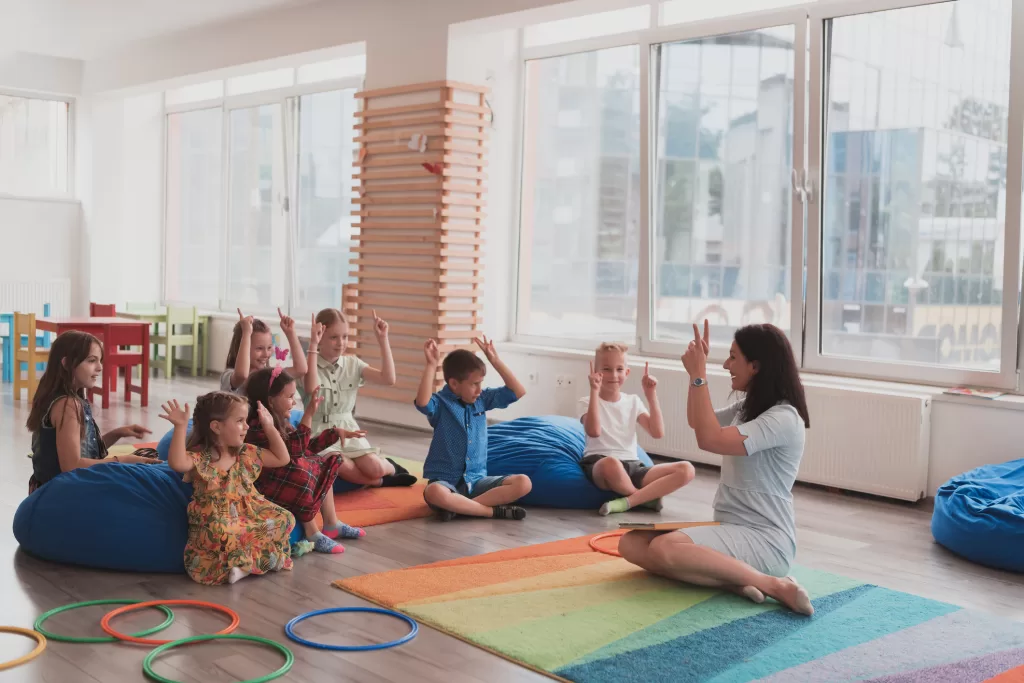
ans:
x=34 y=150
x=915 y=185
x=256 y=228
x=324 y=235
x=581 y=196
x=722 y=207
x=193 y=236
x=590 y=26
x=259 y=190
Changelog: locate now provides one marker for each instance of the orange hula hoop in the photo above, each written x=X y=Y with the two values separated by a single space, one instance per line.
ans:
x=610 y=534
x=105 y=623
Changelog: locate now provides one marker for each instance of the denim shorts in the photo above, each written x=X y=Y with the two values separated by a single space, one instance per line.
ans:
x=481 y=487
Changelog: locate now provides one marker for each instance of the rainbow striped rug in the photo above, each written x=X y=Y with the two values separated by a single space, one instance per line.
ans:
x=572 y=613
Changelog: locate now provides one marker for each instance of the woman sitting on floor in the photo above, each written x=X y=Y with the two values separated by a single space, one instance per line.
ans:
x=762 y=438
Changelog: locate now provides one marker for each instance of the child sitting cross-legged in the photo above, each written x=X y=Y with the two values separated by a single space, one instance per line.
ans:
x=610 y=418
x=456 y=465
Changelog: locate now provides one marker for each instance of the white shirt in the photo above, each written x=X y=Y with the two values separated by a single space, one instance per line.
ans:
x=618 y=427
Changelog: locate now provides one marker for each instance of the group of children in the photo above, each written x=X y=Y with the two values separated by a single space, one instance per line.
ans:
x=254 y=473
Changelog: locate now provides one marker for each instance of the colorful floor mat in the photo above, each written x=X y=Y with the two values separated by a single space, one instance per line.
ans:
x=572 y=613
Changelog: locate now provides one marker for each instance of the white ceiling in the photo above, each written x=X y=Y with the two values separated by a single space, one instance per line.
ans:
x=86 y=29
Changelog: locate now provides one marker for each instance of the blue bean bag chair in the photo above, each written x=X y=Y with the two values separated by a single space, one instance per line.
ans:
x=548 y=450
x=980 y=515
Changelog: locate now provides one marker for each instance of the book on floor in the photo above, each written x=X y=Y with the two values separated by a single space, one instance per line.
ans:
x=662 y=526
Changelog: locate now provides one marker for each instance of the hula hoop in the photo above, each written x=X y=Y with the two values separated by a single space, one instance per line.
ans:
x=289 y=658
x=102 y=639
x=414 y=628
x=607 y=551
x=105 y=622
x=40 y=646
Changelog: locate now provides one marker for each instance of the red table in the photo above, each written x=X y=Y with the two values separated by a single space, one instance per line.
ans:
x=124 y=332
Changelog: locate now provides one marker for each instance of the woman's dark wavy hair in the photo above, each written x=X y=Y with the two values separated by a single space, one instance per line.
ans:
x=777 y=377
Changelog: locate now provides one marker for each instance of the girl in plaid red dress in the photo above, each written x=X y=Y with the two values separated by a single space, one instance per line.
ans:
x=302 y=486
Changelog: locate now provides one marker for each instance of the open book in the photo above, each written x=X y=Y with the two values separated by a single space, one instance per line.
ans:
x=662 y=526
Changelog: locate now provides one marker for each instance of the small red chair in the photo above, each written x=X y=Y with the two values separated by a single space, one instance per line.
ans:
x=118 y=354
x=102 y=310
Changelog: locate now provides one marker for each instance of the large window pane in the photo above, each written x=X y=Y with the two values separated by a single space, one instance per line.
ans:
x=915 y=183
x=193 y=226
x=722 y=234
x=256 y=244
x=326 y=146
x=33 y=146
x=581 y=196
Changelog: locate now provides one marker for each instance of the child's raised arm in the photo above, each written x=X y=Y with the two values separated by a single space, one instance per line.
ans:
x=276 y=455
x=433 y=358
x=487 y=346
x=242 y=360
x=311 y=380
x=298 y=368
x=386 y=375
x=653 y=422
x=592 y=419
x=177 y=457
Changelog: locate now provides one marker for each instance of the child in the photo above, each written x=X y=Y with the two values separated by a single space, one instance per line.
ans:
x=456 y=466
x=339 y=376
x=233 y=531
x=610 y=418
x=251 y=348
x=64 y=433
x=302 y=486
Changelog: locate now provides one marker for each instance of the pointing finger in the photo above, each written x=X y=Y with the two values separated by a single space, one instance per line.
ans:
x=707 y=332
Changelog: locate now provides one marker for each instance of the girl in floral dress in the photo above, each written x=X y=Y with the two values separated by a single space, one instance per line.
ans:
x=233 y=531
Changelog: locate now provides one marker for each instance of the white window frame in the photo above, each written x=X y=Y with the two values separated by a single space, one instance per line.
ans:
x=287 y=98
x=814 y=359
x=69 y=194
x=809 y=21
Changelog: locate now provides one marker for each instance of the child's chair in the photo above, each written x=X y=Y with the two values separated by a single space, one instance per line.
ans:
x=122 y=349
x=169 y=339
x=102 y=310
x=43 y=340
x=30 y=355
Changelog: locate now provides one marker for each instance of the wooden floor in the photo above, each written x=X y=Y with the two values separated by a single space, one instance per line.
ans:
x=876 y=541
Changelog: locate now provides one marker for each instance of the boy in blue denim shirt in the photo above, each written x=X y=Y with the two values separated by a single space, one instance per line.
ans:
x=456 y=465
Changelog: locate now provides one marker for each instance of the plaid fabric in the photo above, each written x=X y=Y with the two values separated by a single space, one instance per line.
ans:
x=301 y=486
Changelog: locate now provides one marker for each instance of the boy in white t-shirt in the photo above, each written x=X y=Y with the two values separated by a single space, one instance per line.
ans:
x=609 y=419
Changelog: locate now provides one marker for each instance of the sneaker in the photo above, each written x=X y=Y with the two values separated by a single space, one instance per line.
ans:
x=508 y=512
x=445 y=515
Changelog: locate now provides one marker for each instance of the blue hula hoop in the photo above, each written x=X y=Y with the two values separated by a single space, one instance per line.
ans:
x=289 y=629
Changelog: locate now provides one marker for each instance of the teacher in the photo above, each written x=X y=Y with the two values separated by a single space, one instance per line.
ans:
x=750 y=550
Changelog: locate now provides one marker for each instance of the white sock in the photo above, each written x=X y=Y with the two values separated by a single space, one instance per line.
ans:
x=236 y=574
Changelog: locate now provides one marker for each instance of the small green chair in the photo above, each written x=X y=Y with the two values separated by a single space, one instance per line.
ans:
x=169 y=339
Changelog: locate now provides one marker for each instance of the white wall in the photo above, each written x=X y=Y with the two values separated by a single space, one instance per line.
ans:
x=43 y=243
x=40 y=73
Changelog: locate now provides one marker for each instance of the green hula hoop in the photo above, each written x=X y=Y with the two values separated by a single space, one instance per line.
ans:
x=102 y=639
x=289 y=658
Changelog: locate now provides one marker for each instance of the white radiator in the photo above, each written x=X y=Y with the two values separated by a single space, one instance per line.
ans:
x=29 y=297
x=860 y=439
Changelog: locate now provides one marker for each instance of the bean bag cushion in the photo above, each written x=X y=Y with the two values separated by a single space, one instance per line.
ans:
x=110 y=516
x=980 y=515
x=548 y=450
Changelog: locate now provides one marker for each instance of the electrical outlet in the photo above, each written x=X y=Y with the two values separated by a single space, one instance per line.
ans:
x=568 y=381
x=533 y=377
x=560 y=381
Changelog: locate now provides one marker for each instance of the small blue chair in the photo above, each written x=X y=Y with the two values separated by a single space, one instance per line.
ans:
x=44 y=341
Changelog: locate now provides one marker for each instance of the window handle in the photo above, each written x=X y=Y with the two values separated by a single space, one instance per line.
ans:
x=798 y=186
x=808 y=186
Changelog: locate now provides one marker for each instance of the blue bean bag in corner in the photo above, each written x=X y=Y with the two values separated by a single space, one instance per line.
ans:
x=548 y=450
x=980 y=515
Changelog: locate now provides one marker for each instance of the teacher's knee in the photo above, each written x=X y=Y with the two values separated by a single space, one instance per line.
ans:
x=668 y=546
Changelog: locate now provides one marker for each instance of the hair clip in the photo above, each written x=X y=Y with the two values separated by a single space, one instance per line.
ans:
x=280 y=353
x=274 y=374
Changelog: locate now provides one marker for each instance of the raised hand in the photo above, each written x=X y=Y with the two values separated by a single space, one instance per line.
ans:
x=649 y=382
x=706 y=340
x=314 y=402
x=265 y=418
x=174 y=413
x=316 y=332
x=487 y=346
x=695 y=359
x=431 y=352
x=346 y=434
x=246 y=321
x=287 y=322
x=380 y=327
x=595 y=378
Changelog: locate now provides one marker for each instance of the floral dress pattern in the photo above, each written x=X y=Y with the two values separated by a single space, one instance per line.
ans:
x=231 y=524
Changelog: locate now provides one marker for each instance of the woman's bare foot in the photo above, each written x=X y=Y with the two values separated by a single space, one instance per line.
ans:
x=792 y=595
